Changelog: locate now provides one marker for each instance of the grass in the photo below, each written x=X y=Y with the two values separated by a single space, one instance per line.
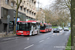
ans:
x=54 y=27
x=62 y=27
x=68 y=47
x=69 y=28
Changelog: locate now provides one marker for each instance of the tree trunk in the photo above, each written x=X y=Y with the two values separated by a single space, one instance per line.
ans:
x=73 y=23
x=15 y=20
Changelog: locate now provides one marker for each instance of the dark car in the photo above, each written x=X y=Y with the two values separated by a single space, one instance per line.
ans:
x=56 y=30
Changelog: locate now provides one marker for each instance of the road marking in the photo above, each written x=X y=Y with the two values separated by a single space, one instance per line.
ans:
x=27 y=38
x=29 y=46
x=41 y=41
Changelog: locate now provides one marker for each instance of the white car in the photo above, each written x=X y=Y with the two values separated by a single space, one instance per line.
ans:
x=66 y=29
x=60 y=28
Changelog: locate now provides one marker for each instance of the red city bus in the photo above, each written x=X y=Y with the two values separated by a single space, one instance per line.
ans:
x=27 y=27
x=49 y=27
x=43 y=27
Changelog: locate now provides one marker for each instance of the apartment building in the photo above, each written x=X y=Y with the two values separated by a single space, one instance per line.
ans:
x=27 y=11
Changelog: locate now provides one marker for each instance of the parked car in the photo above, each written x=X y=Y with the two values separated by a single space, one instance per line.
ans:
x=60 y=28
x=56 y=30
x=66 y=29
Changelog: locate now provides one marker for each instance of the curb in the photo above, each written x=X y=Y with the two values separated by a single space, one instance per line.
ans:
x=7 y=38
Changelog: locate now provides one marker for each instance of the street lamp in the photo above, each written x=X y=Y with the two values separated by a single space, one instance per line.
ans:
x=8 y=17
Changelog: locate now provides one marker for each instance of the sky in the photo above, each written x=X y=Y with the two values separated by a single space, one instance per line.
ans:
x=44 y=3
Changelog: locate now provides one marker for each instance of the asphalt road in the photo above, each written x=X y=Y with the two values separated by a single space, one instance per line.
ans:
x=43 y=41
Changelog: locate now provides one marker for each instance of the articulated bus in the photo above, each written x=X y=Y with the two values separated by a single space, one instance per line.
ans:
x=45 y=27
x=28 y=27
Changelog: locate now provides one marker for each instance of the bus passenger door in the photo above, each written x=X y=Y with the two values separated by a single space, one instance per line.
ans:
x=31 y=31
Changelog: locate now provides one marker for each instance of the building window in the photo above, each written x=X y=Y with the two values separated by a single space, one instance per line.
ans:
x=34 y=14
x=27 y=3
x=24 y=9
x=7 y=1
x=27 y=11
x=30 y=12
x=20 y=7
x=5 y=13
x=12 y=4
x=34 y=3
x=24 y=1
x=16 y=6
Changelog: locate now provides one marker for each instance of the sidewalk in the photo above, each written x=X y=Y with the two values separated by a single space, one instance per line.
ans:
x=3 y=34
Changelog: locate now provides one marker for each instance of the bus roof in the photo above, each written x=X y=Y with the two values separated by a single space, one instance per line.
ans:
x=45 y=23
x=49 y=24
x=30 y=21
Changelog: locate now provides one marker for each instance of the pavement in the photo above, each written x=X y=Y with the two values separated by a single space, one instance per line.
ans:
x=42 y=41
x=3 y=35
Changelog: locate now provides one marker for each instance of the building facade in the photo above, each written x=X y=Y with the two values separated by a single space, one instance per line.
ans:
x=27 y=10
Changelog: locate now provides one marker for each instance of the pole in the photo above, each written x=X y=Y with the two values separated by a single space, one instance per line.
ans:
x=8 y=17
x=7 y=26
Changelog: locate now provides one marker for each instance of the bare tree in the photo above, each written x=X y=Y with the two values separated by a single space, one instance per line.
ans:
x=50 y=17
x=18 y=4
x=62 y=7
x=40 y=16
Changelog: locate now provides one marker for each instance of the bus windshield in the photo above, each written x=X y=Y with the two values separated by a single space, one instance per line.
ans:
x=23 y=26
x=42 y=27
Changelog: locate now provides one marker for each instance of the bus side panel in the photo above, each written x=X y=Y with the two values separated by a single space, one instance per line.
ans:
x=42 y=30
x=23 y=33
x=49 y=29
x=46 y=30
x=19 y=32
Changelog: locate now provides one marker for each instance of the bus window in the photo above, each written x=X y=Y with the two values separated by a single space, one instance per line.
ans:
x=24 y=26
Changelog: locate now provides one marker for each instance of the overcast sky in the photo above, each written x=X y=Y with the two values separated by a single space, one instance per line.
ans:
x=44 y=3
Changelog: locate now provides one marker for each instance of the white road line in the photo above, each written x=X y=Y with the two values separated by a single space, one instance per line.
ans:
x=29 y=46
x=41 y=41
